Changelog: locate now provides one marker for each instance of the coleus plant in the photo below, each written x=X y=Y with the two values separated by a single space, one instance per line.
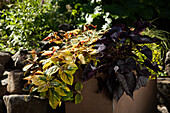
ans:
x=120 y=53
x=50 y=73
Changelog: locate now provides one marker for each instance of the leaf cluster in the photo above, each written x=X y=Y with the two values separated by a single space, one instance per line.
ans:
x=125 y=59
x=51 y=72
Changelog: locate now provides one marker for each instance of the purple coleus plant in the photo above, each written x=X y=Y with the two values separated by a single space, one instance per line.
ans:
x=124 y=73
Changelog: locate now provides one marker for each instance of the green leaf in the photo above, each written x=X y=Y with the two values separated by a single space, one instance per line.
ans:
x=78 y=98
x=43 y=88
x=25 y=68
x=52 y=100
x=71 y=69
x=78 y=86
x=67 y=78
x=46 y=65
x=52 y=70
x=81 y=57
x=60 y=91
x=43 y=78
x=56 y=83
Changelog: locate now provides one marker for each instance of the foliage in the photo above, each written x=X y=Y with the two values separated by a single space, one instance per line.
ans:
x=52 y=71
x=106 y=13
x=120 y=53
x=28 y=21
x=124 y=54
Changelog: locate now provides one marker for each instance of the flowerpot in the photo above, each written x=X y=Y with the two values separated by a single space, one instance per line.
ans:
x=92 y=102
x=144 y=100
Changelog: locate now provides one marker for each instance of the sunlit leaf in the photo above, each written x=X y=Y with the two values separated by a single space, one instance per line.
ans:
x=56 y=82
x=60 y=91
x=43 y=87
x=37 y=81
x=52 y=100
x=52 y=70
x=67 y=78
x=38 y=72
x=25 y=68
x=82 y=59
x=47 y=65
x=47 y=53
x=71 y=68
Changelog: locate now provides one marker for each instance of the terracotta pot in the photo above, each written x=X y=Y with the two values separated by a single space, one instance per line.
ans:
x=93 y=102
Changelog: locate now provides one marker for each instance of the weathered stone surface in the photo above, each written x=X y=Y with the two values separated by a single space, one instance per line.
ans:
x=163 y=93
x=1 y=70
x=162 y=109
x=18 y=104
x=167 y=69
x=167 y=63
x=18 y=59
x=167 y=59
x=4 y=58
x=15 y=82
x=1 y=106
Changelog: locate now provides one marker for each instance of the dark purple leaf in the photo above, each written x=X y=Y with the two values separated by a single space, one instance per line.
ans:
x=141 y=26
x=101 y=47
x=139 y=39
x=147 y=52
x=88 y=72
x=150 y=65
x=145 y=72
x=118 y=92
x=156 y=39
x=141 y=82
x=122 y=81
x=131 y=81
x=114 y=88
x=130 y=63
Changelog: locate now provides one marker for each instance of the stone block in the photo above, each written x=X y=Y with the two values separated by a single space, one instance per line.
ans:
x=163 y=91
x=4 y=58
x=18 y=104
x=15 y=81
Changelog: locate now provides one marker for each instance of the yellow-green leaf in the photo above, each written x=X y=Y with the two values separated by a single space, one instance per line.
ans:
x=82 y=59
x=43 y=87
x=25 y=68
x=71 y=69
x=60 y=91
x=37 y=81
x=78 y=98
x=78 y=86
x=55 y=82
x=66 y=78
x=47 y=65
x=52 y=70
x=52 y=100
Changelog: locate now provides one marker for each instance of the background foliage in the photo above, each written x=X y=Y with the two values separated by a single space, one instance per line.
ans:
x=25 y=23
